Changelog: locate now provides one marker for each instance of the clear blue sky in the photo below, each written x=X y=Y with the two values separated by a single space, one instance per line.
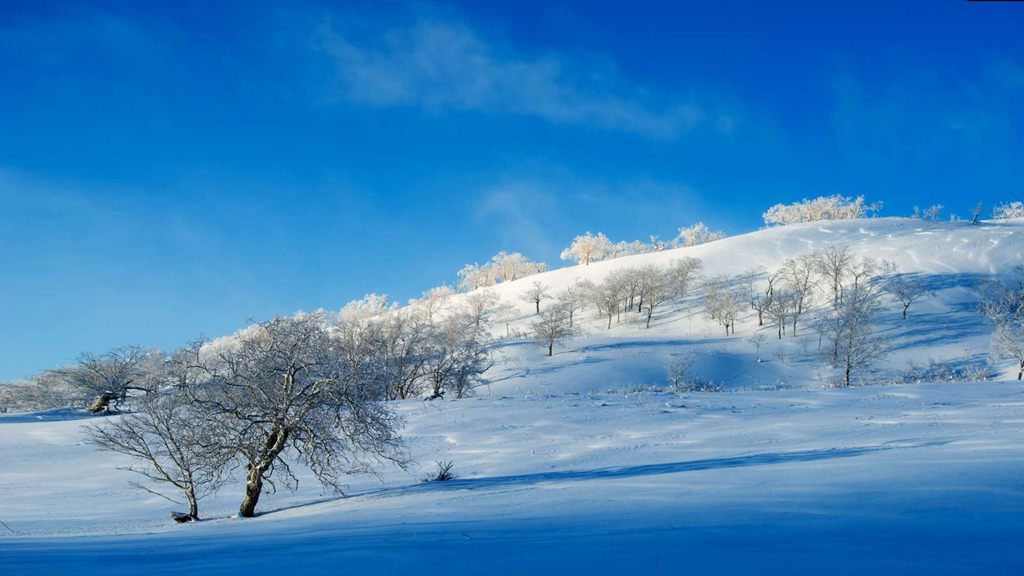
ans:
x=172 y=169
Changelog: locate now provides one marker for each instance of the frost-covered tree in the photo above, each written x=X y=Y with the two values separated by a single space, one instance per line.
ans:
x=1003 y=304
x=110 y=376
x=722 y=302
x=833 y=264
x=480 y=305
x=574 y=297
x=552 y=327
x=506 y=313
x=503 y=267
x=535 y=294
x=433 y=301
x=848 y=330
x=588 y=248
x=457 y=357
x=696 y=235
x=1008 y=210
x=289 y=385
x=685 y=273
x=367 y=307
x=169 y=439
x=783 y=309
x=607 y=297
x=760 y=285
x=656 y=288
x=678 y=369
x=836 y=207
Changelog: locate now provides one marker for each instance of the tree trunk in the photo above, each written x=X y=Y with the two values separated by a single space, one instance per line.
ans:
x=253 y=489
x=551 y=348
x=847 y=376
x=1021 y=371
x=537 y=302
x=905 y=311
x=101 y=404
x=193 y=503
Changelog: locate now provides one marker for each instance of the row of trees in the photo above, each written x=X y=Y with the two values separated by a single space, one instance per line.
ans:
x=503 y=267
x=311 y=389
x=593 y=248
x=835 y=207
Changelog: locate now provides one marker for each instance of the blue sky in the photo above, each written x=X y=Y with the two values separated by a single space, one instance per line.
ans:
x=170 y=170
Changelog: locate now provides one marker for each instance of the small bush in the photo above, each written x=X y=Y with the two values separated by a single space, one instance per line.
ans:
x=443 y=473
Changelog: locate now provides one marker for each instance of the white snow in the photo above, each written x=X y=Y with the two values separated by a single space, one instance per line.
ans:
x=565 y=468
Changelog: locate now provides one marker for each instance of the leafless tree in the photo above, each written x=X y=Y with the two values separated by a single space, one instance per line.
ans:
x=170 y=441
x=289 y=385
x=480 y=305
x=722 y=302
x=907 y=290
x=678 y=370
x=457 y=356
x=849 y=331
x=607 y=297
x=535 y=294
x=685 y=272
x=783 y=309
x=574 y=297
x=833 y=264
x=109 y=376
x=976 y=213
x=1003 y=304
x=656 y=287
x=552 y=327
x=760 y=297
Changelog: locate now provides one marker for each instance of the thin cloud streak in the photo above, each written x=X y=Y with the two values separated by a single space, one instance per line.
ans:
x=441 y=66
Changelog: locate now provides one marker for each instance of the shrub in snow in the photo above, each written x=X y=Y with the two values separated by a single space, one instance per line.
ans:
x=443 y=473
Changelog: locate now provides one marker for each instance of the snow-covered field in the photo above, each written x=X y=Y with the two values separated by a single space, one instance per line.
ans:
x=569 y=465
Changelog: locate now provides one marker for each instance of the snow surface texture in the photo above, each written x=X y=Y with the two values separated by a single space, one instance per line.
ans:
x=566 y=465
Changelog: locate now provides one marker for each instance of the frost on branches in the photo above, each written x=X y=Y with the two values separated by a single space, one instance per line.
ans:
x=1008 y=210
x=503 y=267
x=834 y=207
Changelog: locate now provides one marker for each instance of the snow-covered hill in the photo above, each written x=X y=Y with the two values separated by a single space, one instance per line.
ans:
x=951 y=258
x=570 y=465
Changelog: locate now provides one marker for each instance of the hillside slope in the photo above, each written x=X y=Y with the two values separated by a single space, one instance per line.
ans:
x=952 y=258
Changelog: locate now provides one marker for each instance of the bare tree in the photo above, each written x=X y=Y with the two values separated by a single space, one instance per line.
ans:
x=480 y=305
x=169 y=440
x=760 y=297
x=607 y=297
x=290 y=385
x=1003 y=304
x=109 y=376
x=833 y=264
x=656 y=287
x=552 y=327
x=758 y=340
x=849 y=331
x=976 y=213
x=678 y=370
x=506 y=313
x=574 y=297
x=783 y=309
x=907 y=290
x=685 y=272
x=535 y=294
x=457 y=356
x=722 y=302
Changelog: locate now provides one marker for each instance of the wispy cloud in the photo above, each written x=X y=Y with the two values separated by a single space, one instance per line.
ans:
x=443 y=66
